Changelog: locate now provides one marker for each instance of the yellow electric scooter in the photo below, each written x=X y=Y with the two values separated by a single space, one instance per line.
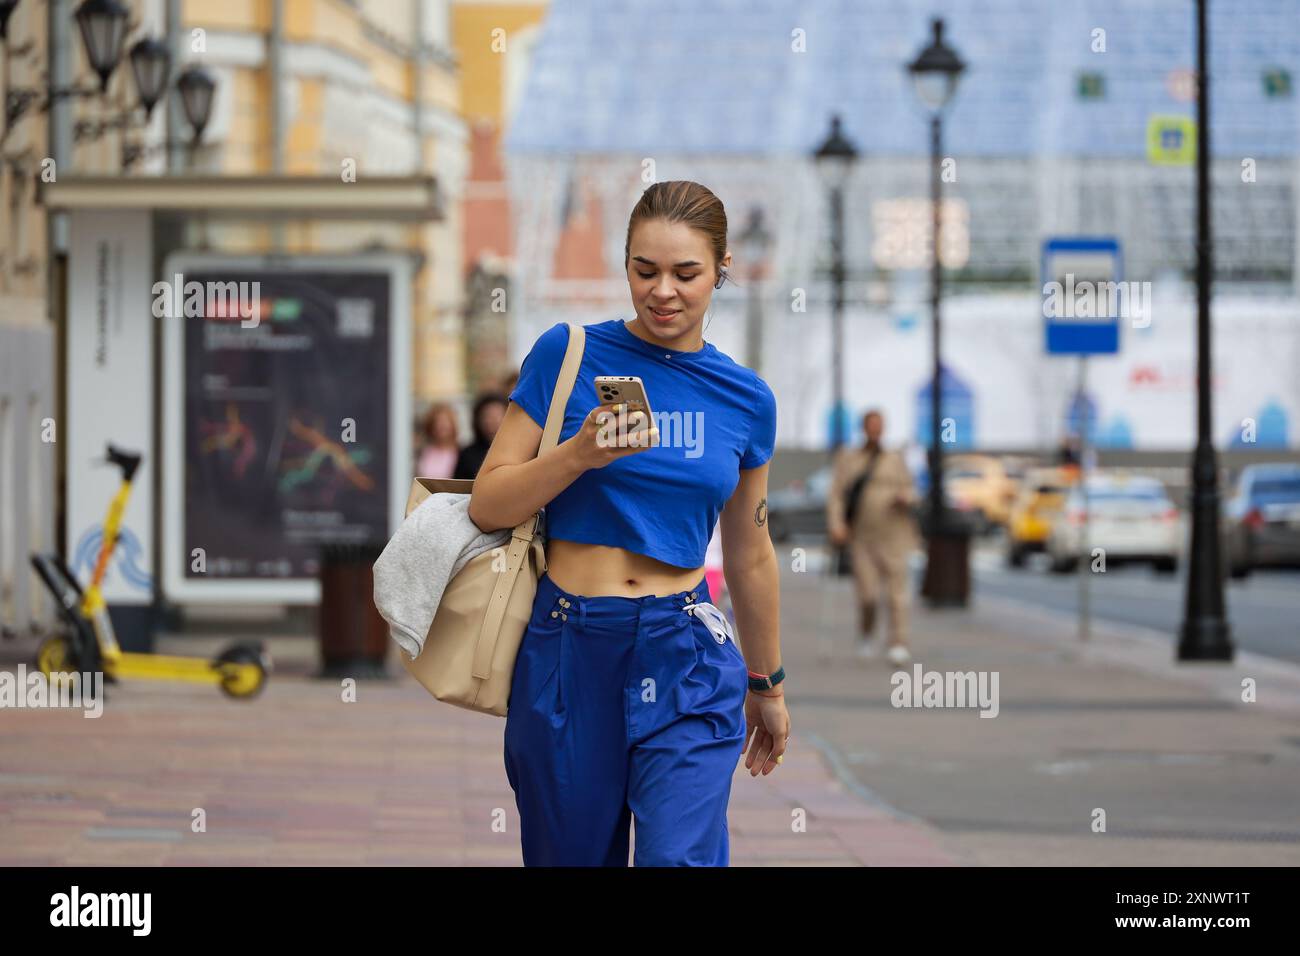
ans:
x=91 y=645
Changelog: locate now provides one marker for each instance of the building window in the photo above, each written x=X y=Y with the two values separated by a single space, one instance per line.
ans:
x=1092 y=86
x=1277 y=84
x=904 y=233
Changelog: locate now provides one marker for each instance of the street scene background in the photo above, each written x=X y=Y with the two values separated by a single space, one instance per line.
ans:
x=420 y=188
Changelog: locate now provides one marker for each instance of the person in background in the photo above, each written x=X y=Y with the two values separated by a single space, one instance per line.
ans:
x=489 y=409
x=1067 y=453
x=441 y=445
x=1069 y=459
x=878 y=527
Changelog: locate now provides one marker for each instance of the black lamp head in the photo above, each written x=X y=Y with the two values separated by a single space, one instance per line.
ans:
x=196 y=87
x=103 y=28
x=151 y=64
x=936 y=70
x=6 y=8
x=835 y=155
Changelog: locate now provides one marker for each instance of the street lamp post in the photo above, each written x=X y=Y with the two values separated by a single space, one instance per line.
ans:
x=834 y=159
x=151 y=64
x=755 y=241
x=102 y=23
x=103 y=26
x=1205 y=633
x=935 y=73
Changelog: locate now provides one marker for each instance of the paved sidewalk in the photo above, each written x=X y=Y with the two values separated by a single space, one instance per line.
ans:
x=297 y=776
x=1187 y=773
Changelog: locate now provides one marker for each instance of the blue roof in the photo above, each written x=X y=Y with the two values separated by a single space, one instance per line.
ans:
x=659 y=77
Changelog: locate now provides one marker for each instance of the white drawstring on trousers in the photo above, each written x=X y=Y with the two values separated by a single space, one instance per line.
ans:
x=714 y=619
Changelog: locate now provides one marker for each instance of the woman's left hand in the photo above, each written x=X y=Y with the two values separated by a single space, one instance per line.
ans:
x=767 y=730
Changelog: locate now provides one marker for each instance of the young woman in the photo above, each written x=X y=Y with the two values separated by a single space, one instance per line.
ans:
x=630 y=696
x=441 y=449
x=489 y=411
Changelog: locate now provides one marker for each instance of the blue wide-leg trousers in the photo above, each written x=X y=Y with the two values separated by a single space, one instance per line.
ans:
x=624 y=708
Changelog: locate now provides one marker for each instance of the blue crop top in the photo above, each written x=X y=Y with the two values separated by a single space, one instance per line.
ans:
x=714 y=416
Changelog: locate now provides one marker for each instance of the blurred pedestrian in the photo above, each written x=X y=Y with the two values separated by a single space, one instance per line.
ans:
x=1068 y=458
x=1067 y=453
x=441 y=450
x=489 y=409
x=869 y=509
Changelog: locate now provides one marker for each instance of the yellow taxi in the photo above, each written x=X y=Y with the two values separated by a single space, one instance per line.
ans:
x=1037 y=505
x=980 y=484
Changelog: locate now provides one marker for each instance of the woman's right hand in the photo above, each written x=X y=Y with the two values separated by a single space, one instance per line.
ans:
x=839 y=535
x=610 y=432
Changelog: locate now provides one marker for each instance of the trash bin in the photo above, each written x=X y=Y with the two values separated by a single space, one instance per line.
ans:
x=134 y=626
x=353 y=634
x=947 y=565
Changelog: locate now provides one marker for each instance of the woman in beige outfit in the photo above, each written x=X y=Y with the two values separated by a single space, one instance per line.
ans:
x=882 y=535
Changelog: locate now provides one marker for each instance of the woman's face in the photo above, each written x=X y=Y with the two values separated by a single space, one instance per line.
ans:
x=444 y=428
x=489 y=418
x=671 y=272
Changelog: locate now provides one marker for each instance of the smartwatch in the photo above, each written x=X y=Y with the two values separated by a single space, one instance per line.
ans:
x=766 y=681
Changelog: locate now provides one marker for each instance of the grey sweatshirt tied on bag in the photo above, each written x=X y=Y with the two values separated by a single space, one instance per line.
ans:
x=431 y=545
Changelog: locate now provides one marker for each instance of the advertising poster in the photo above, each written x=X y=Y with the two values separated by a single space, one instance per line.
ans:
x=289 y=410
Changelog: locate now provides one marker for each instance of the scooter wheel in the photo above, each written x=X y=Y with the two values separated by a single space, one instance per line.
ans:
x=242 y=673
x=55 y=655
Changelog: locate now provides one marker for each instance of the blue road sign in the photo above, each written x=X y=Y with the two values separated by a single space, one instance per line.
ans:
x=1082 y=289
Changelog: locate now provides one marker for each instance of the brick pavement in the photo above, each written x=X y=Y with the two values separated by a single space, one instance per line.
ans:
x=299 y=777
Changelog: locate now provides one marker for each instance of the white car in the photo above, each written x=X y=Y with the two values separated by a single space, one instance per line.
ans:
x=1129 y=517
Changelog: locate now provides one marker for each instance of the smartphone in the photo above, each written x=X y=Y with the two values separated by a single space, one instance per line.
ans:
x=614 y=389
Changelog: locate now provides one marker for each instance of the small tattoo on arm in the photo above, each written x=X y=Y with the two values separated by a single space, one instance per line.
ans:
x=760 y=513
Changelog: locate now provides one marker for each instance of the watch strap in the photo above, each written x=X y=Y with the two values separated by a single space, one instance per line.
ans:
x=767 y=683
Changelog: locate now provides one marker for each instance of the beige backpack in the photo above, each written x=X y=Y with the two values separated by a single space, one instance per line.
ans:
x=469 y=654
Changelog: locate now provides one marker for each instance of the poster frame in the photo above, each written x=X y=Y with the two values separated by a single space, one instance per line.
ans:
x=289 y=591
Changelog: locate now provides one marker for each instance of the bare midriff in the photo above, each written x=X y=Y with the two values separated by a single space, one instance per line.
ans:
x=593 y=570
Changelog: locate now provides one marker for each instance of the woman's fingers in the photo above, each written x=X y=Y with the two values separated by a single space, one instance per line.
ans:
x=630 y=431
x=764 y=754
x=778 y=750
x=759 y=753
